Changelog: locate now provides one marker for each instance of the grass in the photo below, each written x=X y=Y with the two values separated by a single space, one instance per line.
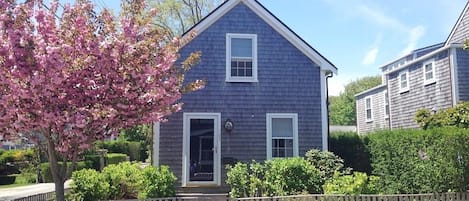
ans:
x=13 y=185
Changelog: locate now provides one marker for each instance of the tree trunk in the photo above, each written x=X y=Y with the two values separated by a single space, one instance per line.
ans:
x=56 y=171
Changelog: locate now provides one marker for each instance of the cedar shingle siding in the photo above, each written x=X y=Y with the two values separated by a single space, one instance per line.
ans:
x=289 y=82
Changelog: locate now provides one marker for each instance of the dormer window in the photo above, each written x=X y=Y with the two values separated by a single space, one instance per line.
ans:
x=429 y=72
x=241 y=58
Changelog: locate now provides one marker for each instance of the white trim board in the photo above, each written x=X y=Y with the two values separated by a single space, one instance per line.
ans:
x=186 y=149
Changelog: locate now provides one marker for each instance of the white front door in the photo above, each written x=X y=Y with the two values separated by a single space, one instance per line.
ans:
x=201 y=149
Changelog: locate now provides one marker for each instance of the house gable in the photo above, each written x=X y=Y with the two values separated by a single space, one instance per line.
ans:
x=274 y=22
x=461 y=29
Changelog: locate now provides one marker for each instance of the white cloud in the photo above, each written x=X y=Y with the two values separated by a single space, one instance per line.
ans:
x=414 y=36
x=370 y=56
x=379 y=18
x=335 y=86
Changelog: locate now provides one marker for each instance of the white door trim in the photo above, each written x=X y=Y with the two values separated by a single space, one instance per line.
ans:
x=186 y=149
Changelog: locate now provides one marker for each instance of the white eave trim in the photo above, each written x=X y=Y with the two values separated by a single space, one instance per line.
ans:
x=423 y=58
x=274 y=23
x=369 y=90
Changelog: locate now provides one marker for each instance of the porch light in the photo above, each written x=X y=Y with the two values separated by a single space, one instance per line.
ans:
x=229 y=125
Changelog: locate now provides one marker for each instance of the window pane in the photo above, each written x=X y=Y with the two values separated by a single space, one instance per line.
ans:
x=429 y=75
x=241 y=47
x=368 y=114
x=368 y=103
x=282 y=127
x=249 y=72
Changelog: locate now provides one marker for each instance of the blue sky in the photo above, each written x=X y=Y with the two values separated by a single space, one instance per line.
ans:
x=359 y=36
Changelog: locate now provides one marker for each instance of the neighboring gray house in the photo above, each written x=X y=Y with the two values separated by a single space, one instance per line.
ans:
x=265 y=96
x=435 y=77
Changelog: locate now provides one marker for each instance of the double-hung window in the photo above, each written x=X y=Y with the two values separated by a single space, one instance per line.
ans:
x=404 y=81
x=241 y=58
x=369 y=112
x=429 y=72
x=282 y=135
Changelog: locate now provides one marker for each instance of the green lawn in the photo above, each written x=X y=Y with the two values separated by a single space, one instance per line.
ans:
x=21 y=180
x=13 y=185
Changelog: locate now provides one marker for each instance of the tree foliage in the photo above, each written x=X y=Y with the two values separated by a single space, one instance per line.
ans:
x=342 y=108
x=178 y=16
x=71 y=76
x=457 y=116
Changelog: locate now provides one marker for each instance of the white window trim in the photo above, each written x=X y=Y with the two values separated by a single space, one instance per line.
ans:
x=371 y=110
x=229 y=78
x=386 y=103
x=269 y=117
x=425 y=80
x=405 y=89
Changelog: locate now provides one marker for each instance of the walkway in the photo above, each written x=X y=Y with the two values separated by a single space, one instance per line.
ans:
x=25 y=191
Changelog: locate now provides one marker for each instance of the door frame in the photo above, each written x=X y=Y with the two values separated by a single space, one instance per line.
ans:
x=186 y=149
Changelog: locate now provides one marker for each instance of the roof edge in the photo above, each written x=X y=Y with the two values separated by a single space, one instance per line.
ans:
x=370 y=90
x=457 y=23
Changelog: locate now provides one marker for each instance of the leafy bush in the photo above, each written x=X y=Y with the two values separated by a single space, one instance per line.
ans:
x=352 y=148
x=421 y=161
x=157 y=182
x=7 y=179
x=358 y=183
x=94 y=161
x=89 y=185
x=286 y=176
x=291 y=176
x=115 y=158
x=457 y=116
x=134 y=151
x=123 y=181
x=327 y=163
x=47 y=175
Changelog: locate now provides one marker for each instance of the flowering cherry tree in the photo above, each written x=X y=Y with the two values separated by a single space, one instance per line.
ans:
x=71 y=76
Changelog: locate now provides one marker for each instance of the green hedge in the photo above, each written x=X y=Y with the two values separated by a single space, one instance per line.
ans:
x=115 y=158
x=286 y=176
x=354 y=184
x=123 y=181
x=47 y=175
x=352 y=148
x=94 y=161
x=135 y=150
x=421 y=161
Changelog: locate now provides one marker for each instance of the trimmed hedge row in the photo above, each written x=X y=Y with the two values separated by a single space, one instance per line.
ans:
x=352 y=148
x=421 y=161
x=47 y=175
x=135 y=150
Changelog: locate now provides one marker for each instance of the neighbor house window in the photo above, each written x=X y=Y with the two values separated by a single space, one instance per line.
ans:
x=282 y=135
x=429 y=72
x=404 y=81
x=369 y=113
x=386 y=105
x=241 y=58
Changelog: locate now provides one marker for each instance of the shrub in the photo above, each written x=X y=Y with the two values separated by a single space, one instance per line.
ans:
x=421 y=161
x=134 y=151
x=157 y=182
x=286 y=176
x=291 y=176
x=115 y=158
x=457 y=116
x=7 y=179
x=352 y=148
x=358 y=183
x=94 y=161
x=327 y=163
x=124 y=180
x=89 y=185
x=46 y=172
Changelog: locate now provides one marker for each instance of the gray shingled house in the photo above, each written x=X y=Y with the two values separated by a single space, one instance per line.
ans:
x=434 y=77
x=265 y=96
